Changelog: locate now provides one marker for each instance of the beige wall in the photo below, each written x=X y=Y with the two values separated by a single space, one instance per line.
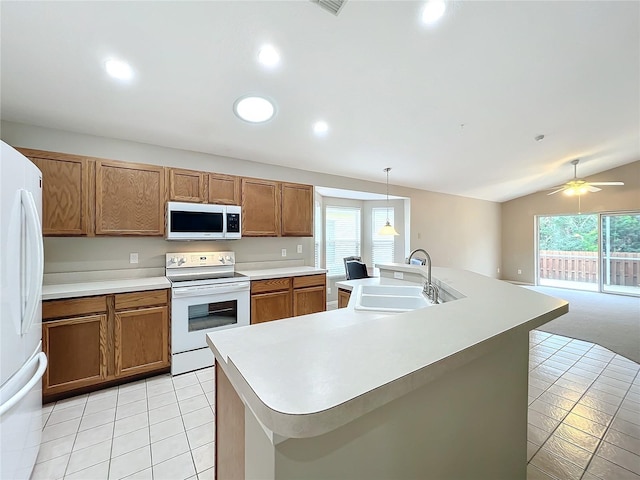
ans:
x=457 y=231
x=518 y=216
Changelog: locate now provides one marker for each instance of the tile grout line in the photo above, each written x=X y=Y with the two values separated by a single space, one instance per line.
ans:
x=569 y=411
x=604 y=434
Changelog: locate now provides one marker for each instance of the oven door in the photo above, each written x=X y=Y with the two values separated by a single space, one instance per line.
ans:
x=202 y=309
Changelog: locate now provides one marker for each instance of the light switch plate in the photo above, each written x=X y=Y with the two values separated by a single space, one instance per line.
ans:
x=133 y=258
x=299 y=248
x=284 y=252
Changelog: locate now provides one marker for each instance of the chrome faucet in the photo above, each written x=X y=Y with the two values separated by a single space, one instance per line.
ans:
x=429 y=289
x=428 y=262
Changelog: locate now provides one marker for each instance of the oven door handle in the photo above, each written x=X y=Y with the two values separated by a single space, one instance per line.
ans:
x=210 y=289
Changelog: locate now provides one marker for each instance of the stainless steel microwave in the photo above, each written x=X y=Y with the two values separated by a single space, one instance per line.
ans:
x=201 y=221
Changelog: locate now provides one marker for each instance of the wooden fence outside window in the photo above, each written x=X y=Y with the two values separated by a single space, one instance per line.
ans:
x=583 y=267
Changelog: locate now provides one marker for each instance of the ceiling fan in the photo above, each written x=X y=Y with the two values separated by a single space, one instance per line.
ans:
x=578 y=186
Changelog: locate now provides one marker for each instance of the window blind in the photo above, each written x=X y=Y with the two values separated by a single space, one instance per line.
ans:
x=342 y=237
x=382 y=246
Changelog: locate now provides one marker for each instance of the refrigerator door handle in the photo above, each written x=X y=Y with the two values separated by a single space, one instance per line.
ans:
x=41 y=358
x=34 y=259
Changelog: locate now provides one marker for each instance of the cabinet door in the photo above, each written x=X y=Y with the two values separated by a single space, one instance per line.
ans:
x=343 y=297
x=186 y=185
x=297 y=210
x=141 y=340
x=309 y=300
x=129 y=199
x=270 y=306
x=224 y=189
x=76 y=349
x=66 y=193
x=260 y=208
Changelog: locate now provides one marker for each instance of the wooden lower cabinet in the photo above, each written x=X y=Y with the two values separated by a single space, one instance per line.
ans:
x=76 y=350
x=286 y=297
x=309 y=294
x=343 y=297
x=95 y=341
x=141 y=338
x=271 y=299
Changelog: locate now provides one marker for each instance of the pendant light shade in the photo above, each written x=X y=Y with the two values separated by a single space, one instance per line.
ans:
x=388 y=228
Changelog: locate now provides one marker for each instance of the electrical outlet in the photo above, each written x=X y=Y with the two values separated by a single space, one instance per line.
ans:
x=133 y=258
x=498 y=269
x=284 y=252
x=328 y=290
x=299 y=248
x=519 y=272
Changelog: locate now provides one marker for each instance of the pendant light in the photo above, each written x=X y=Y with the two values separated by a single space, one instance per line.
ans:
x=388 y=228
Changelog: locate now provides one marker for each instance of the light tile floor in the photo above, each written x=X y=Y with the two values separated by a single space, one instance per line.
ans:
x=158 y=428
x=584 y=422
x=584 y=411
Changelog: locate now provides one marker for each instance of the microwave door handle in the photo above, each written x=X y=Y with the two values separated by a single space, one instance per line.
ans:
x=34 y=260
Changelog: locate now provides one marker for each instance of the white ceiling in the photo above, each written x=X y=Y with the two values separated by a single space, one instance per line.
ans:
x=394 y=91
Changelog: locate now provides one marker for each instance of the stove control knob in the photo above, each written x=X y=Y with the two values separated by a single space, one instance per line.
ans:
x=228 y=258
x=182 y=260
x=221 y=259
x=172 y=260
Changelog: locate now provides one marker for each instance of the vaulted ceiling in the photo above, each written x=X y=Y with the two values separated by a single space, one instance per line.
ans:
x=452 y=107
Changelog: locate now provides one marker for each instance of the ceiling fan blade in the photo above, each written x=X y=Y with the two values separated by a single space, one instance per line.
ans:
x=556 y=191
x=606 y=183
x=593 y=189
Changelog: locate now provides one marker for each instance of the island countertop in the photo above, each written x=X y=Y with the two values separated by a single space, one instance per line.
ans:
x=306 y=376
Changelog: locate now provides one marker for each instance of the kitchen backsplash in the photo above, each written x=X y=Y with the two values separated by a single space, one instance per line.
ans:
x=71 y=254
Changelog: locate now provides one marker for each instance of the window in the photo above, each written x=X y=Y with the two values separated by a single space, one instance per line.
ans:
x=382 y=246
x=342 y=237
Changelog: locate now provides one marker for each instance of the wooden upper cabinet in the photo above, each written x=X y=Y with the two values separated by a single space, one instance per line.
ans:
x=260 y=208
x=297 y=210
x=67 y=194
x=129 y=199
x=224 y=189
x=186 y=185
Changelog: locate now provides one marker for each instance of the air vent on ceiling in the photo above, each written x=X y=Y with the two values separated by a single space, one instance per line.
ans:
x=333 y=6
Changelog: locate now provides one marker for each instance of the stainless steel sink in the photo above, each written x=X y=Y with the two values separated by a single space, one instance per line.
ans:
x=390 y=298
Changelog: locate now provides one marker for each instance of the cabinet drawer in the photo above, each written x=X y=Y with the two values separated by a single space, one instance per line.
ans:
x=270 y=285
x=73 y=307
x=309 y=281
x=148 y=298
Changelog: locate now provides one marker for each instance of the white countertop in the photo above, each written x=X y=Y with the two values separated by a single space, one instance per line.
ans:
x=104 y=287
x=305 y=376
x=89 y=285
x=281 y=272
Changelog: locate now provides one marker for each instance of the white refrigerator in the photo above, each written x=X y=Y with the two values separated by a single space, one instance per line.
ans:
x=22 y=362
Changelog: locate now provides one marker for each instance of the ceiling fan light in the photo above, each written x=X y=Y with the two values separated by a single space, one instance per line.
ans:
x=570 y=192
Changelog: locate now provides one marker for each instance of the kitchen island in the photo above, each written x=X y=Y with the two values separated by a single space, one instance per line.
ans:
x=439 y=392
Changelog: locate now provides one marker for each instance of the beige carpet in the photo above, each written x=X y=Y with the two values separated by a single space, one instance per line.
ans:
x=612 y=321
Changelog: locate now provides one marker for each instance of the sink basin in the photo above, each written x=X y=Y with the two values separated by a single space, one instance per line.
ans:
x=390 y=298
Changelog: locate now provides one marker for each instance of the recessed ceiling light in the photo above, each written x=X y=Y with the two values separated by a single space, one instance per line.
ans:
x=433 y=11
x=320 y=127
x=118 y=69
x=268 y=56
x=254 y=109
x=538 y=138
